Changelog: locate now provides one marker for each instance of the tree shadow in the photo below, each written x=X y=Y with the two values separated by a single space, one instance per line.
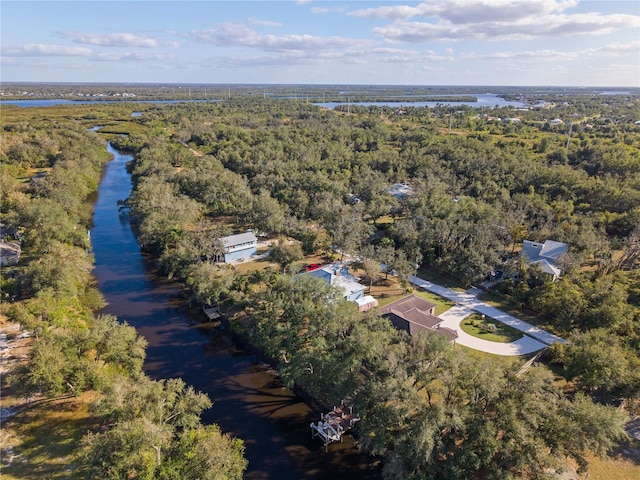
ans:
x=48 y=443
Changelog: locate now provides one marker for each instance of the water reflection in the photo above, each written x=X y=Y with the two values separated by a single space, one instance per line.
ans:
x=249 y=402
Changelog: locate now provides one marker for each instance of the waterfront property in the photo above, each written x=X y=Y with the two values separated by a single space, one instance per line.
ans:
x=338 y=275
x=333 y=425
x=414 y=315
x=239 y=247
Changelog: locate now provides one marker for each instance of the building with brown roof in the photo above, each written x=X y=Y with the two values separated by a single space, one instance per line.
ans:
x=414 y=315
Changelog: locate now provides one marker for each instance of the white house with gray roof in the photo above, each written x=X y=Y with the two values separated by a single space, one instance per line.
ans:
x=339 y=276
x=547 y=254
x=239 y=247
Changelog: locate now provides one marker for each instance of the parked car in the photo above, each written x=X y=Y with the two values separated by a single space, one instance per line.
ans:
x=312 y=266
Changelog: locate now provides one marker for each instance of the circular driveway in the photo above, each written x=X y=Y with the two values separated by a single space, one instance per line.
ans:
x=452 y=318
x=533 y=340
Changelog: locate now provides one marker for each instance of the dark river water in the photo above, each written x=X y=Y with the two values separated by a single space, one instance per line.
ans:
x=248 y=402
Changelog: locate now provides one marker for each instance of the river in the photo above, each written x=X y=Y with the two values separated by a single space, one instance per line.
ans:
x=248 y=401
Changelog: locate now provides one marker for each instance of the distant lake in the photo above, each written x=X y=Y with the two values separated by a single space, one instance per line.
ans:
x=46 y=103
x=485 y=100
x=63 y=101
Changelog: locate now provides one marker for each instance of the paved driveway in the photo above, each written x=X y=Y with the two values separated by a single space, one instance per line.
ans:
x=452 y=318
x=467 y=302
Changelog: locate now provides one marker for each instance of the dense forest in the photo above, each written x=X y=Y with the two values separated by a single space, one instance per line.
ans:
x=481 y=181
x=140 y=427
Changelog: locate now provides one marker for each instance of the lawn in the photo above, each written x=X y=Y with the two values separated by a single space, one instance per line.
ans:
x=505 y=361
x=612 y=468
x=506 y=305
x=44 y=441
x=504 y=334
x=440 y=278
x=246 y=268
x=442 y=304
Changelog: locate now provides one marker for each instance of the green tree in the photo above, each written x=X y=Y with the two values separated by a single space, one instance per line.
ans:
x=284 y=253
x=597 y=360
x=155 y=432
x=117 y=344
x=292 y=319
x=161 y=214
x=348 y=230
x=267 y=214
x=210 y=282
x=581 y=426
x=204 y=454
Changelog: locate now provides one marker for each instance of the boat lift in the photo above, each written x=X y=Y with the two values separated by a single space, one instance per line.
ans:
x=334 y=424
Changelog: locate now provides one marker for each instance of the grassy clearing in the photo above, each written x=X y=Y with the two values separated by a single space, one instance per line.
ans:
x=506 y=305
x=390 y=290
x=387 y=290
x=503 y=333
x=502 y=360
x=44 y=440
x=442 y=304
x=612 y=468
x=448 y=281
x=246 y=268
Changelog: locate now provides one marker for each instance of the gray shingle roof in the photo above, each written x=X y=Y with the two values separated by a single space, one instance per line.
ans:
x=238 y=239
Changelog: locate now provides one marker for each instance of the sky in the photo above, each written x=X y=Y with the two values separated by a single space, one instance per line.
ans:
x=432 y=42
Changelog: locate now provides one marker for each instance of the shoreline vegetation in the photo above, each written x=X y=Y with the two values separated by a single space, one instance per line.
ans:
x=478 y=188
x=312 y=93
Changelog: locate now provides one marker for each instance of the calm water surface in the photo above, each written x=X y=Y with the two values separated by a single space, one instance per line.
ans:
x=248 y=401
x=484 y=100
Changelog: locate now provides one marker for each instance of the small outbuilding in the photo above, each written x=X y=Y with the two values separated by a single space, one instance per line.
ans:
x=366 y=303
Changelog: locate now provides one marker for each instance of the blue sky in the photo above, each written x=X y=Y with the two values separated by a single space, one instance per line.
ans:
x=433 y=42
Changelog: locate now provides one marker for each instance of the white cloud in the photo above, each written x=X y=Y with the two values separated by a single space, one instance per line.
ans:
x=132 y=56
x=52 y=51
x=618 y=49
x=396 y=12
x=238 y=34
x=114 y=40
x=449 y=20
x=481 y=11
x=546 y=54
x=360 y=56
x=264 y=23
x=44 y=50
x=272 y=60
x=398 y=55
x=611 y=50
x=549 y=25
x=317 y=10
x=468 y=11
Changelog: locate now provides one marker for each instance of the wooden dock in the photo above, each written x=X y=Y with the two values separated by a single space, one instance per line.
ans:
x=333 y=425
x=212 y=313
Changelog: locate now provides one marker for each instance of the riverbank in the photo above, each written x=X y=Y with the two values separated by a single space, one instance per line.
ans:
x=249 y=402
